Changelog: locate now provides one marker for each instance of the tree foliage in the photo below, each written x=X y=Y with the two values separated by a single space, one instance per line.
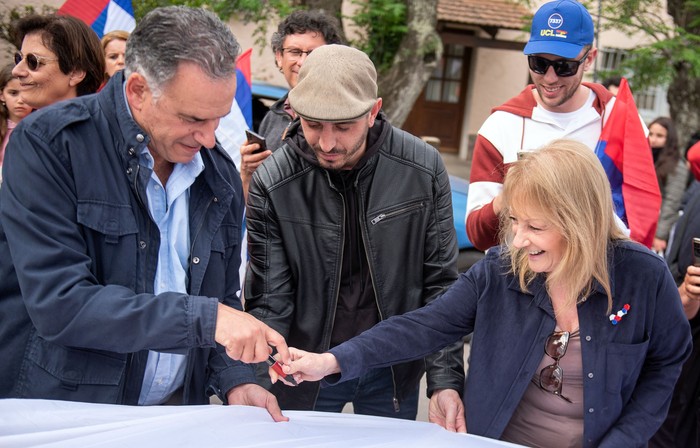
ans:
x=672 y=29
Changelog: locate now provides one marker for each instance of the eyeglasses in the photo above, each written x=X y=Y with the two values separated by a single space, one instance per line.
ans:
x=552 y=377
x=33 y=61
x=562 y=67
x=295 y=53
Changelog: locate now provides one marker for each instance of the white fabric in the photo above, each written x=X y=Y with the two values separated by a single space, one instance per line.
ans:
x=46 y=423
x=118 y=19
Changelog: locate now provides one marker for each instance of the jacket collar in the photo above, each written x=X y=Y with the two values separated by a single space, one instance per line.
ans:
x=375 y=139
x=523 y=104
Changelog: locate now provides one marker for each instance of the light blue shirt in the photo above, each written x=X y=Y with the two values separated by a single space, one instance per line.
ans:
x=169 y=207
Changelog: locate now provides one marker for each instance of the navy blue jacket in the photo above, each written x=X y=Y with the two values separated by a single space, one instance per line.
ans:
x=83 y=250
x=629 y=369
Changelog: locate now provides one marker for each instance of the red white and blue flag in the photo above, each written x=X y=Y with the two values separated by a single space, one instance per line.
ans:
x=231 y=130
x=624 y=151
x=102 y=15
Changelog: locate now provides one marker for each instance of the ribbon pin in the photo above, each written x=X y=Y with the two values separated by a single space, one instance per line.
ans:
x=615 y=318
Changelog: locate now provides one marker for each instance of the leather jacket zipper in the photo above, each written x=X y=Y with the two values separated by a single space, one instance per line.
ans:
x=365 y=235
x=377 y=219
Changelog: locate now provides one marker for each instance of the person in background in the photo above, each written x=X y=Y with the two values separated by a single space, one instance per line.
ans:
x=682 y=425
x=296 y=37
x=12 y=108
x=557 y=105
x=350 y=222
x=578 y=332
x=672 y=175
x=60 y=58
x=120 y=222
x=114 y=48
x=612 y=84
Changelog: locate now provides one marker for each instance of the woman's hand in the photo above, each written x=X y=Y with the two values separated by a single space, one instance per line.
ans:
x=306 y=366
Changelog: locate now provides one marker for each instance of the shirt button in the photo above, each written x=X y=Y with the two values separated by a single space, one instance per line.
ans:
x=129 y=171
x=216 y=199
x=142 y=244
x=588 y=338
x=590 y=410
x=132 y=152
x=140 y=137
x=590 y=375
x=195 y=260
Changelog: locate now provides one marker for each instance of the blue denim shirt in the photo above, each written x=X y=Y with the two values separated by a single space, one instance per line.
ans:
x=77 y=302
x=629 y=369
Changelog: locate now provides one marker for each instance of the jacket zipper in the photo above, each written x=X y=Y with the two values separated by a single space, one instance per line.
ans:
x=364 y=232
x=382 y=216
x=327 y=343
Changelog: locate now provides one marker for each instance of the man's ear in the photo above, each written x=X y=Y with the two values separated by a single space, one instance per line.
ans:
x=76 y=77
x=137 y=90
x=375 y=111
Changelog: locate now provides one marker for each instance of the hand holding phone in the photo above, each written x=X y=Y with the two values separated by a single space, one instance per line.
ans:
x=256 y=138
x=696 y=251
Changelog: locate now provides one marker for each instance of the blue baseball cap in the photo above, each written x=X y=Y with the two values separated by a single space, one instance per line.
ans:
x=561 y=28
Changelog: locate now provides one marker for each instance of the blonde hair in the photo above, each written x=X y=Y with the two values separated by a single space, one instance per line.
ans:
x=114 y=35
x=109 y=37
x=566 y=183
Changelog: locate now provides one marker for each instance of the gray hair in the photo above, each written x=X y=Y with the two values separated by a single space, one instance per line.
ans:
x=167 y=36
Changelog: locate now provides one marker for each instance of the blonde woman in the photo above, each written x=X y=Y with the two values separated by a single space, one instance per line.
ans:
x=114 y=48
x=578 y=333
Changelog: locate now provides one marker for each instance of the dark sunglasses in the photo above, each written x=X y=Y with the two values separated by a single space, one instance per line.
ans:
x=562 y=67
x=552 y=376
x=33 y=61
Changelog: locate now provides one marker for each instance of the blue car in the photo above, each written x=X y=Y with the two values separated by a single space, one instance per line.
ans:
x=265 y=94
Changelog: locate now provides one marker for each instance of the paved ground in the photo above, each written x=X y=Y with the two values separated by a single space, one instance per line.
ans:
x=456 y=166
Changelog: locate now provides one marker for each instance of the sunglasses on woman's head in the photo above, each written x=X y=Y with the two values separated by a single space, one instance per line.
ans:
x=33 y=61
x=562 y=67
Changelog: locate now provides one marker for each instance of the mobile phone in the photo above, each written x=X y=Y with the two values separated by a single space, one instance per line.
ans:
x=256 y=138
x=696 y=251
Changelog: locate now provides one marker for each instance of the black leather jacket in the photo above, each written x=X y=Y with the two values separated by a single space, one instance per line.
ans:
x=295 y=232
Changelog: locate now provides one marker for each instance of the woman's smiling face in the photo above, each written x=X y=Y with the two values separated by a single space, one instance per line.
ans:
x=544 y=243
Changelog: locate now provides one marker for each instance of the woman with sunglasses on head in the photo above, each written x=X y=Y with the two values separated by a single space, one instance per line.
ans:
x=578 y=333
x=60 y=57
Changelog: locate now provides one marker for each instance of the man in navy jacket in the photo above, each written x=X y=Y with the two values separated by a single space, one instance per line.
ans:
x=120 y=229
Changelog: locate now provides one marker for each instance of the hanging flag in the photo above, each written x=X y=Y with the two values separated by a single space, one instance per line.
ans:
x=624 y=151
x=244 y=93
x=231 y=130
x=102 y=15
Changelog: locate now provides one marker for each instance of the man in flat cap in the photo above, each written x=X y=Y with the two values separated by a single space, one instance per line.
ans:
x=350 y=222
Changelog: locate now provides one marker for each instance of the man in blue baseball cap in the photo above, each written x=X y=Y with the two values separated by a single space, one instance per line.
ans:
x=556 y=105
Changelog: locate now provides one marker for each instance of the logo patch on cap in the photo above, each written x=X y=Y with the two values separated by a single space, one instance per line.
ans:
x=555 y=21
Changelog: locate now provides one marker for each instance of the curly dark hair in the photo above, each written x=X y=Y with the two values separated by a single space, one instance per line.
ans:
x=302 y=21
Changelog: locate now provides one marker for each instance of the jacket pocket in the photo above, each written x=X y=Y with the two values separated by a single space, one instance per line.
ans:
x=56 y=372
x=624 y=365
x=111 y=236
x=398 y=211
x=226 y=238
